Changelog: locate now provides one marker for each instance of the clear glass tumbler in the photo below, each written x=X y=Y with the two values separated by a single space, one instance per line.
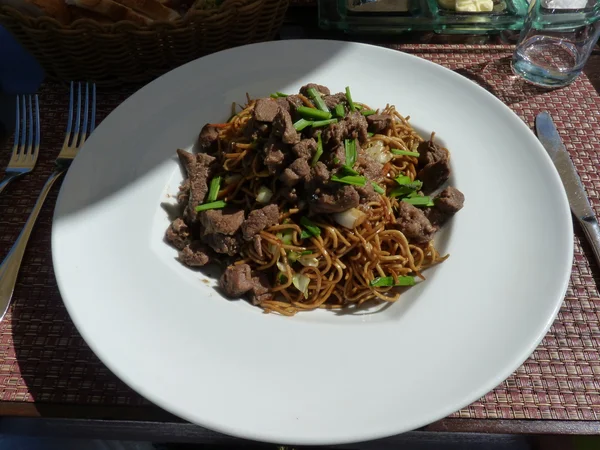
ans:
x=556 y=41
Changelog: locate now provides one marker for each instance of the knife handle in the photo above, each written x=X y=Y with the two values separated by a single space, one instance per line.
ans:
x=592 y=232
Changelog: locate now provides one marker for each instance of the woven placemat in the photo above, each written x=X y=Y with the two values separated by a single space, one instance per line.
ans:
x=44 y=360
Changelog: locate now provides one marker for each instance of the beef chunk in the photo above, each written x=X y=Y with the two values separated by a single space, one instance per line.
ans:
x=274 y=155
x=324 y=90
x=178 y=234
x=341 y=199
x=333 y=100
x=265 y=109
x=306 y=148
x=255 y=129
x=336 y=157
x=297 y=171
x=290 y=194
x=257 y=244
x=354 y=125
x=183 y=196
x=319 y=174
x=434 y=166
x=367 y=193
x=434 y=175
x=371 y=169
x=413 y=223
x=259 y=219
x=284 y=104
x=378 y=123
x=194 y=255
x=221 y=243
x=207 y=140
x=260 y=288
x=225 y=221
x=236 y=280
x=448 y=203
x=284 y=128
x=197 y=168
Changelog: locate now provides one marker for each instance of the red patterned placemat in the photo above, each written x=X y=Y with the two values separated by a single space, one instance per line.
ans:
x=44 y=360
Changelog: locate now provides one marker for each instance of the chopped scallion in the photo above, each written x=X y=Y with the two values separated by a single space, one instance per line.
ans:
x=419 y=201
x=316 y=97
x=278 y=94
x=405 y=181
x=345 y=171
x=319 y=151
x=395 y=151
x=389 y=281
x=350 y=179
x=370 y=134
x=339 y=110
x=349 y=98
x=312 y=113
x=306 y=252
x=322 y=123
x=377 y=188
x=351 y=153
x=302 y=124
x=213 y=192
x=310 y=228
x=212 y=205
x=368 y=112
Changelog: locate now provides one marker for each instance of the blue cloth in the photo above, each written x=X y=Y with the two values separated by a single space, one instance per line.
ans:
x=19 y=71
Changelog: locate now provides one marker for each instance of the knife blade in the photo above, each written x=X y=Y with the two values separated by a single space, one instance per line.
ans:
x=578 y=201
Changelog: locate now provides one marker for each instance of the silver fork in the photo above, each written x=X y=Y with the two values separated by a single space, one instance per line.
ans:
x=27 y=140
x=74 y=139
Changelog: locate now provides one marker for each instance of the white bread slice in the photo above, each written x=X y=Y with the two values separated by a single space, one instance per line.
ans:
x=151 y=8
x=111 y=9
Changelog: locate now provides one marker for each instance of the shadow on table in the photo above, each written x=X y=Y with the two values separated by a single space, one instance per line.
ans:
x=498 y=79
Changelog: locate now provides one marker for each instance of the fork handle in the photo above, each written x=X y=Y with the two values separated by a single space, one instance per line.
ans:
x=9 y=269
x=7 y=179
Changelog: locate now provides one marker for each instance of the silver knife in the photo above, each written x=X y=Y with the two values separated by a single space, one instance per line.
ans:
x=580 y=205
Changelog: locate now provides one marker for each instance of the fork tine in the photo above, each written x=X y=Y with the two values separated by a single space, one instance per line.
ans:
x=85 y=114
x=17 y=128
x=77 y=117
x=29 y=149
x=23 y=140
x=70 y=119
x=93 y=125
x=36 y=148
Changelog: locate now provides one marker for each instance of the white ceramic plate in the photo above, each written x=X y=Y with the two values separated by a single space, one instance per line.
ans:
x=319 y=377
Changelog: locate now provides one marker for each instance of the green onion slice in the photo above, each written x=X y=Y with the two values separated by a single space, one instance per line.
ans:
x=319 y=151
x=377 y=188
x=322 y=123
x=302 y=124
x=213 y=191
x=212 y=205
x=312 y=113
x=310 y=228
x=350 y=179
x=349 y=98
x=316 y=97
x=389 y=281
x=395 y=151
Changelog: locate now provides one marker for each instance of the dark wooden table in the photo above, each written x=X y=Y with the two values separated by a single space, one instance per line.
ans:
x=153 y=424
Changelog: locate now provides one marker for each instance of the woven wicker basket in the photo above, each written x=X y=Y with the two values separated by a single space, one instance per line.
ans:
x=125 y=52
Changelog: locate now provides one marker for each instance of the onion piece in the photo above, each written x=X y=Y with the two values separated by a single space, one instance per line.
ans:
x=308 y=261
x=264 y=195
x=351 y=218
x=301 y=282
x=377 y=151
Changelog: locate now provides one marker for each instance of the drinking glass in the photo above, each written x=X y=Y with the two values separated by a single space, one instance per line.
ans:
x=556 y=41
